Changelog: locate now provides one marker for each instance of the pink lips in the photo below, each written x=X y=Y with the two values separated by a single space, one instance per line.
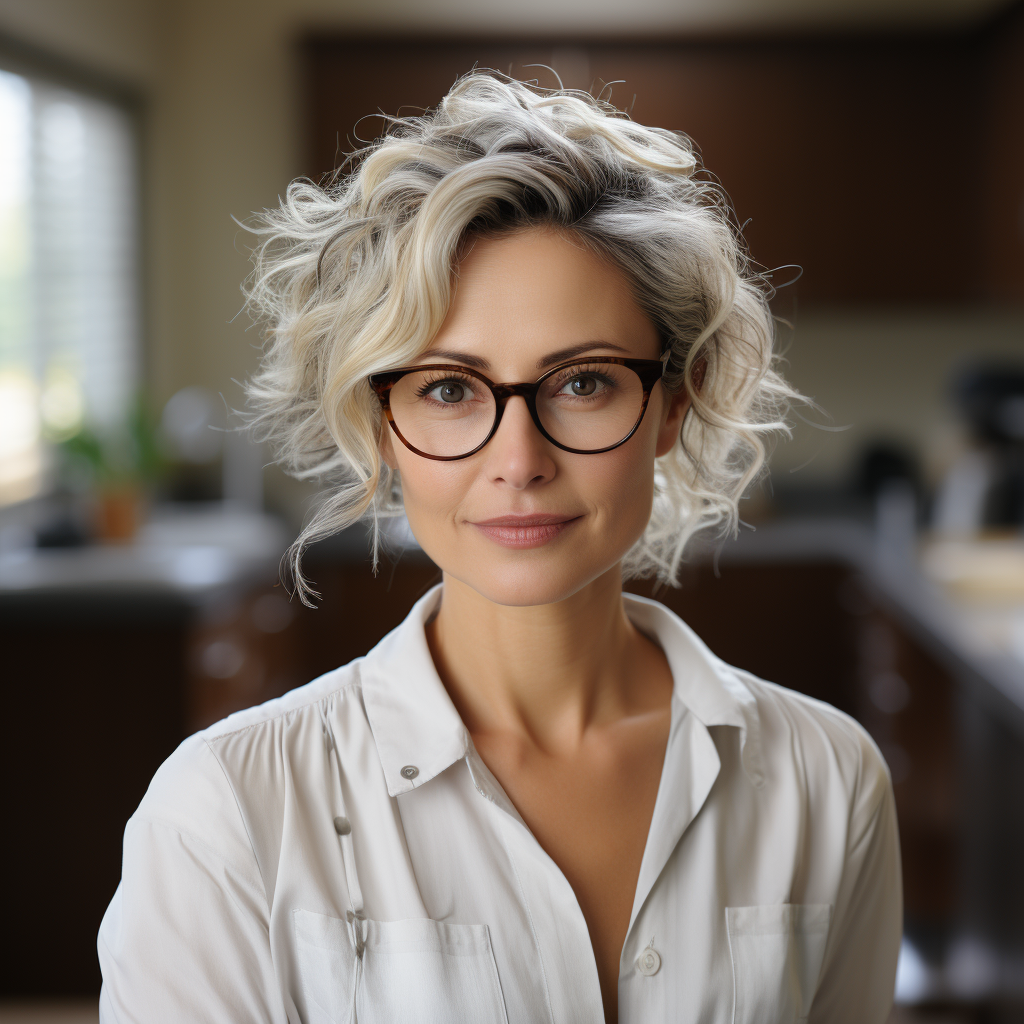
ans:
x=525 y=531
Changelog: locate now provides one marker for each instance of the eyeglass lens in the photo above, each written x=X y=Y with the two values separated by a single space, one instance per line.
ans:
x=450 y=413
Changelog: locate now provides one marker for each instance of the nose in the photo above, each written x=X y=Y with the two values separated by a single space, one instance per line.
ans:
x=518 y=455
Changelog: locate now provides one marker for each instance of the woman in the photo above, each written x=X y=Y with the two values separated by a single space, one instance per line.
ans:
x=523 y=320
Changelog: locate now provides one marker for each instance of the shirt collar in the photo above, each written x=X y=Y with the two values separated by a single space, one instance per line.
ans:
x=709 y=688
x=414 y=722
x=415 y=725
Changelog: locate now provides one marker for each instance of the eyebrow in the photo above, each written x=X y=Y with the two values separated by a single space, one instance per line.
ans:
x=551 y=359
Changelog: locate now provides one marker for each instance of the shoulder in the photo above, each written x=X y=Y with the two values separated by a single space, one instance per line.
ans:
x=257 y=723
x=823 y=747
x=203 y=790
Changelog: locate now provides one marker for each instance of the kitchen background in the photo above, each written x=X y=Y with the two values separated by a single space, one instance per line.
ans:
x=874 y=152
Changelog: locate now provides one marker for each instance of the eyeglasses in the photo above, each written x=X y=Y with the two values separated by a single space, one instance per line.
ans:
x=445 y=412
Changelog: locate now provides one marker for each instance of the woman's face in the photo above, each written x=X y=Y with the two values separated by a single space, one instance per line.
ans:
x=521 y=300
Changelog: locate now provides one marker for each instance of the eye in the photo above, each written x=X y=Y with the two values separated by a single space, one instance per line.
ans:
x=581 y=387
x=450 y=392
x=585 y=384
x=446 y=390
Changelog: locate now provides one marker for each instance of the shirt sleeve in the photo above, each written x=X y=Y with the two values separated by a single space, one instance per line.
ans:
x=186 y=936
x=859 y=971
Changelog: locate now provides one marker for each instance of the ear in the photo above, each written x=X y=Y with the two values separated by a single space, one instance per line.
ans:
x=676 y=408
x=673 y=413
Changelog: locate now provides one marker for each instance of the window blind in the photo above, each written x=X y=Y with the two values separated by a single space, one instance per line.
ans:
x=69 y=283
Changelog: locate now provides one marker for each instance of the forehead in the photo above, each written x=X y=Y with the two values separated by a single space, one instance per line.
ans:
x=522 y=295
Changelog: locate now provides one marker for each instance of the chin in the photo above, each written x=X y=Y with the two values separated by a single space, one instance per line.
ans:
x=528 y=582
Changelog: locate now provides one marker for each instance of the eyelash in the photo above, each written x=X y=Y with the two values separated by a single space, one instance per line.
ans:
x=428 y=385
x=567 y=375
x=581 y=371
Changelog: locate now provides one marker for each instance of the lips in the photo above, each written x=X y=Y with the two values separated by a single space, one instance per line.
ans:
x=539 y=519
x=531 y=531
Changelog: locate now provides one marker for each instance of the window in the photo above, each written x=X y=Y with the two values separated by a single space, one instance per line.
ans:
x=69 y=282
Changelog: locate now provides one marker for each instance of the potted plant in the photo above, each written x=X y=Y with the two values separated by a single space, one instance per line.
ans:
x=121 y=464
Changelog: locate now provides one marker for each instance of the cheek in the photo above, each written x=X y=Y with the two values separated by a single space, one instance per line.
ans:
x=628 y=468
x=432 y=492
x=621 y=484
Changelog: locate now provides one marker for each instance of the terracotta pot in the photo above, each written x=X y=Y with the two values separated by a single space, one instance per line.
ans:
x=118 y=514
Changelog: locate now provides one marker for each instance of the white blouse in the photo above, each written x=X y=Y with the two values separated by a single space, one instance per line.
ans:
x=342 y=854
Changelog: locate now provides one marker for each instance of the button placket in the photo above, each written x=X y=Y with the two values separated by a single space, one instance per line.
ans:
x=358 y=925
x=343 y=828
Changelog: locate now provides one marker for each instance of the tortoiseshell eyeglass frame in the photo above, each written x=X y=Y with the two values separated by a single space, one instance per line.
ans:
x=649 y=371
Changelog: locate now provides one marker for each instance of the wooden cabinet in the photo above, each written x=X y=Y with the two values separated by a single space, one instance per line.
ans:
x=890 y=167
x=93 y=703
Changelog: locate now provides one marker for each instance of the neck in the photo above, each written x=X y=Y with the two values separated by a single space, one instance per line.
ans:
x=545 y=672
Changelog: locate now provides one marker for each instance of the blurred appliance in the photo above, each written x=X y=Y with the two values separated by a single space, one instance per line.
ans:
x=985 y=486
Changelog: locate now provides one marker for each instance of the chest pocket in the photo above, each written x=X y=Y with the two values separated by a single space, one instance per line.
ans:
x=411 y=972
x=776 y=953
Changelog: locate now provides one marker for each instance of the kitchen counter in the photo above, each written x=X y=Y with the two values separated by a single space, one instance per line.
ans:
x=197 y=556
x=962 y=601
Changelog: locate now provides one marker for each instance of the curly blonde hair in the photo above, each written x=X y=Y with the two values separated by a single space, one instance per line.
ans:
x=356 y=276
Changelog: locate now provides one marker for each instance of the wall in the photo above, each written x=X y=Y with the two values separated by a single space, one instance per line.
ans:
x=225 y=136
x=881 y=374
x=119 y=38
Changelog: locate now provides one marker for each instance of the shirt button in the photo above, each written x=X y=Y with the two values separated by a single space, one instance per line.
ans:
x=342 y=826
x=649 y=962
x=410 y=771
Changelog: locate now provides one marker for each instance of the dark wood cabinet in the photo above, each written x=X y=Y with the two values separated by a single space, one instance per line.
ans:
x=888 y=166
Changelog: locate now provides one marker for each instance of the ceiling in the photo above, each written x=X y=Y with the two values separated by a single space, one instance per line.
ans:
x=597 y=17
